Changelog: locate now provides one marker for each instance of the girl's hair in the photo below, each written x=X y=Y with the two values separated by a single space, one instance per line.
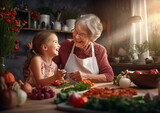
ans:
x=93 y=23
x=39 y=39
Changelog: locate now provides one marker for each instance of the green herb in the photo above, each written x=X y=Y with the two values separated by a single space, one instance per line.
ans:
x=64 y=85
x=122 y=105
x=80 y=86
x=118 y=77
x=71 y=14
x=63 y=96
x=45 y=10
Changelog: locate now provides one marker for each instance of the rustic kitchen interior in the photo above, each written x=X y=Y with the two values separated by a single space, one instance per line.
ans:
x=130 y=35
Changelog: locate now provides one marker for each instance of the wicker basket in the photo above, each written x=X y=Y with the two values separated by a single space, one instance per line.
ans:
x=145 y=80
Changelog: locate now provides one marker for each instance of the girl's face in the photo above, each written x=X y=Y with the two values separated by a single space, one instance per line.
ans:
x=81 y=37
x=52 y=45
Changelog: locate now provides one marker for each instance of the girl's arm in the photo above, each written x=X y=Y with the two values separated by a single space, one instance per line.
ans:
x=56 y=71
x=35 y=66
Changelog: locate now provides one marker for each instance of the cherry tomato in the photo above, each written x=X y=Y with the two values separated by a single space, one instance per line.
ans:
x=92 y=84
x=57 y=83
x=137 y=72
x=88 y=81
x=79 y=101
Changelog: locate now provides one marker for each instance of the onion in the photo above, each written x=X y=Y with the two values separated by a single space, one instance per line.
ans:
x=124 y=82
x=72 y=96
x=149 y=96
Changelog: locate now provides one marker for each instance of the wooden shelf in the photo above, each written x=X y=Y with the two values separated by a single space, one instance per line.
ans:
x=32 y=29
x=135 y=65
x=118 y=67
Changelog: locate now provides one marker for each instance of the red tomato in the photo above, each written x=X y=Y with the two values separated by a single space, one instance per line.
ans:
x=153 y=71
x=79 y=101
x=137 y=72
x=57 y=83
x=92 y=84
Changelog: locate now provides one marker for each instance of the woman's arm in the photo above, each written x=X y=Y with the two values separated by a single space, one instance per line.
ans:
x=79 y=76
x=103 y=64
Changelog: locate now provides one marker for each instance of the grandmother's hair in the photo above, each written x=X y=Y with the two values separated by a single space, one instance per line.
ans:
x=93 y=23
x=39 y=39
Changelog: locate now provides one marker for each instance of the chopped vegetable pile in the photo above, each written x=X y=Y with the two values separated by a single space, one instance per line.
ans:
x=63 y=96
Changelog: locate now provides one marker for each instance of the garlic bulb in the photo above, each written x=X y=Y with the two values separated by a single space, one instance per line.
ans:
x=124 y=82
x=21 y=95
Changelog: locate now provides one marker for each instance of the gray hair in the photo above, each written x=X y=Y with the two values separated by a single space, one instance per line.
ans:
x=93 y=23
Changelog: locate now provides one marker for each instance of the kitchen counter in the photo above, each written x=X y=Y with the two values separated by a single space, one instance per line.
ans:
x=48 y=106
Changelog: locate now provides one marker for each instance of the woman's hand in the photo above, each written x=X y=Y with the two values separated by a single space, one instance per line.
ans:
x=60 y=74
x=77 y=76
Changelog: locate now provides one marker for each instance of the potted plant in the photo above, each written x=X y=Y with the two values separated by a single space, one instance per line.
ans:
x=70 y=16
x=45 y=16
x=155 y=45
x=140 y=49
x=9 y=29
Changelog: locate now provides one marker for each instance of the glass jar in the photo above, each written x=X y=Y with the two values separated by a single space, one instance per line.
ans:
x=35 y=24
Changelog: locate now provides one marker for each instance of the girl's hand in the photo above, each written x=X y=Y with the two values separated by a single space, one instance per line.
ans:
x=77 y=76
x=60 y=74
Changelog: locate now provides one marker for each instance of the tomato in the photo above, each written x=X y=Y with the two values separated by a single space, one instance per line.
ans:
x=153 y=71
x=88 y=81
x=137 y=72
x=92 y=84
x=79 y=101
x=57 y=83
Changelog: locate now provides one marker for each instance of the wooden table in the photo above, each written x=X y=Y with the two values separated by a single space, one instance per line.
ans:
x=48 y=106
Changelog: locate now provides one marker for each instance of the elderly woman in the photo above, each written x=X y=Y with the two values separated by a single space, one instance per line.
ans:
x=81 y=57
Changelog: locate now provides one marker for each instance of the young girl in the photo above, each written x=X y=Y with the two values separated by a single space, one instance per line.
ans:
x=42 y=70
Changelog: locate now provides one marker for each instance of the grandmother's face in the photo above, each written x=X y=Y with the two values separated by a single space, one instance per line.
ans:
x=81 y=37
